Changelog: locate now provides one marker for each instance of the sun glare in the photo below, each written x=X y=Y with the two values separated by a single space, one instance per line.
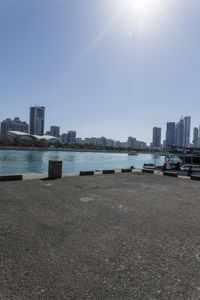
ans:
x=142 y=14
x=141 y=7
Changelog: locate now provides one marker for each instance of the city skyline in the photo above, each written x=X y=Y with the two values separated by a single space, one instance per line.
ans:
x=101 y=68
x=177 y=134
x=47 y=128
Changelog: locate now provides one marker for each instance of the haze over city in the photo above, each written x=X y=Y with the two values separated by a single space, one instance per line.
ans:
x=114 y=68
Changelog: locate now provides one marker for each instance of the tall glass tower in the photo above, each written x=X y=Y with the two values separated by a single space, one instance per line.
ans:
x=156 y=143
x=186 y=131
x=170 y=134
x=37 y=120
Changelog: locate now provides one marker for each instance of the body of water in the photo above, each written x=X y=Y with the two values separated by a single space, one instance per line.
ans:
x=33 y=161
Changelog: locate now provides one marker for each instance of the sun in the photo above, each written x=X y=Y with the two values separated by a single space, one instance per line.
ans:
x=142 y=16
x=141 y=7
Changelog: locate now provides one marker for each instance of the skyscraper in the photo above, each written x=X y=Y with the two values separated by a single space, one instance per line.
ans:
x=15 y=125
x=37 y=120
x=71 y=137
x=179 y=133
x=199 y=138
x=55 y=131
x=18 y=125
x=183 y=132
x=195 y=137
x=170 y=134
x=5 y=127
x=186 y=131
x=131 y=142
x=156 y=143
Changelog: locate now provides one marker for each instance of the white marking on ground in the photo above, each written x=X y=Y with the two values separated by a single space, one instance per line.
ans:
x=123 y=208
x=86 y=199
x=198 y=256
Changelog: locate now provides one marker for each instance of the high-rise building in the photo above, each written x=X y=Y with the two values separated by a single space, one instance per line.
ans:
x=37 y=120
x=55 y=131
x=131 y=142
x=18 y=125
x=5 y=127
x=101 y=141
x=156 y=143
x=110 y=143
x=186 y=131
x=71 y=137
x=179 y=133
x=170 y=134
x=183 y=132
x=64 y=138
x=195 y=137
x=15 y=125
x=199 y=138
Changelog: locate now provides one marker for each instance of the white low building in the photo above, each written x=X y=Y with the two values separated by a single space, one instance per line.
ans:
x=26 y=136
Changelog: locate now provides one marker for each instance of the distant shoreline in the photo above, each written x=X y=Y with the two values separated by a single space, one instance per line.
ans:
x=61 y=150
x=74 y=150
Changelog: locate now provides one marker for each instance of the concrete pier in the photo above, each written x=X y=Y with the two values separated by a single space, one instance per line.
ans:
x=118 y=236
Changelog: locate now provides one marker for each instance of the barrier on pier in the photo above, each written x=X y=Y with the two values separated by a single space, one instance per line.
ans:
x=150 y=171
x=11 y=177
x=126 y=170
x=195 y=177
x=172 y=174
x=86 y=173
x=108 y=172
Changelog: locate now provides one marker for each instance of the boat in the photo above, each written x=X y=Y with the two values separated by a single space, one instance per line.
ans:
x=134 y=153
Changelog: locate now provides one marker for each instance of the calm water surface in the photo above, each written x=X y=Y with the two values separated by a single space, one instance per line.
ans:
x=28 y=161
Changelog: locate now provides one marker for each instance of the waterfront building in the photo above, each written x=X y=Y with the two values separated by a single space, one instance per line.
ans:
x=37 y=114
x=156 y=143
x=5 y=127
x=55 y=131
x=23 y=136
x=179 y=133
x=15 y=125
x=24 y=127
x=64 y=138
x=101 y=141
x=110 y=143
x=80 y=141
x=186 y=131
x=195 y=137
x=18 y=125
x=170 y=134
x=131 y=142
x=141 y=145
x=199 y=138
x=119 y=144
x=182 y=138
x=92 y=140
x=71 y=137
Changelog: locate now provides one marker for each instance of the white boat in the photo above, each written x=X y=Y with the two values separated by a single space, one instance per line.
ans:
x=133 y=153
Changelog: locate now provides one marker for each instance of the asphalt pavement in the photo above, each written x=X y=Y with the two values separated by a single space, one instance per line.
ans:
x=121 y=236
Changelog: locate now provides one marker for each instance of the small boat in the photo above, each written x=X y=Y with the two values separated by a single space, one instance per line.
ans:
x=134 y=153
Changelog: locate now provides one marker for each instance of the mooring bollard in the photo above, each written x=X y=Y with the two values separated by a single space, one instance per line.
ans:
x=55 y=169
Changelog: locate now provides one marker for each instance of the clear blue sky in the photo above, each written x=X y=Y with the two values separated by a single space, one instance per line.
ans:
x=101 y=67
